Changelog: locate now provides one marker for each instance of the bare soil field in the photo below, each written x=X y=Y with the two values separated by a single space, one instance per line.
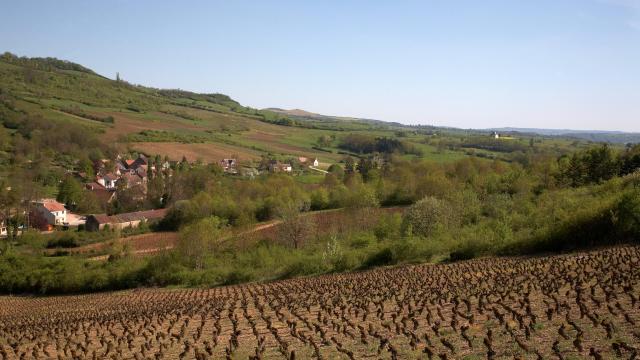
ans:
x=208 y=152
x=324 y=222
x=576 y=306
x=137 y=244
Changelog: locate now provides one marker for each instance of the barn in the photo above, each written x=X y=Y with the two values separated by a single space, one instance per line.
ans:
x=121 y=221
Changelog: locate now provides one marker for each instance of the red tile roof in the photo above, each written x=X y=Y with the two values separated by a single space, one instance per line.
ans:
x=133 y=216
x=53 y=206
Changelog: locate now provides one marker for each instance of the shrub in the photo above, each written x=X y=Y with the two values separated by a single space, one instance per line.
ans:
x=428 y=215
x=627 y=214
x=381 y=257
x=388 y=226
x=65 y=241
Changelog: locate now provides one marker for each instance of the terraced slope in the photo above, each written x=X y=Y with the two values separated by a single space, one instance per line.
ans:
x=575 y=306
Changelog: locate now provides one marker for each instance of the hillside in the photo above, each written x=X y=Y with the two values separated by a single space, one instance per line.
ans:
x=207 y=127
x=173 y=123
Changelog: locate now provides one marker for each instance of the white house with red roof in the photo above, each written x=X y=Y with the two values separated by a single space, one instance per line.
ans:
x=54 y=212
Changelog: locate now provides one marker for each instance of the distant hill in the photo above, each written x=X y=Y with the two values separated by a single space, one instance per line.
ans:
x=295 y=112
x=306 y=116
x=620 y=137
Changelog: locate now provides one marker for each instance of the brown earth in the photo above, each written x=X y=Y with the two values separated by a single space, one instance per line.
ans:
x=208 y=152
x=577 y=306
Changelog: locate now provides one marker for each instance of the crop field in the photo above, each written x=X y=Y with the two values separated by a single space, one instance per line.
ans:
x=207 y=152
x=583 y=305
x=139 y=245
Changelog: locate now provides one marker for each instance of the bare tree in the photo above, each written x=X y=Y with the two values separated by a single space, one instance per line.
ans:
x=296 y=228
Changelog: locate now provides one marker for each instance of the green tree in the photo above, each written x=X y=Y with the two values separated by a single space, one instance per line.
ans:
x=200 y=239
x=361 y=196
x=427 y=216
x=337 y=170
x=70 y=192
x=628 y=214
x=319 y=199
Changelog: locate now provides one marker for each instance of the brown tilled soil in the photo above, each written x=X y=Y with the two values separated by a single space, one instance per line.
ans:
x=142 y=244
x=207 y=152
x=579 y=306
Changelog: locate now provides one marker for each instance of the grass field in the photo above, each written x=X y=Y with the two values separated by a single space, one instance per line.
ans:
x=577 y=306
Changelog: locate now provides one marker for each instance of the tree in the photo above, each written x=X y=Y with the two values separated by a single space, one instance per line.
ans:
x=4 y=138
x=70 y=192
x=9 y=199
x=200 y=239
x=630 y=160
x=337 y=170
x=325 y=140
x=89 y=204
x=628 y=214
x=349 y=165
x=319 y=199
x=601 y=164
x=361 y=196
x=428 y=215
x=295 y=228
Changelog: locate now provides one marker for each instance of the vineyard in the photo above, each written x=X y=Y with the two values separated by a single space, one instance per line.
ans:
x=583 y=305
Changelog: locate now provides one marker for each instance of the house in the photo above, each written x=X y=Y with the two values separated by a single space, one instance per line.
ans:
x=229 y=165
x=120 y=168
x=52 y=211
x=495 y=135
x=305 y=161
x=104 y=195
x=121 y=221
x=135 y=179
x=276 y=166
x=166 y=165
x=140 y=162
x=3 y=227
x=109 y=181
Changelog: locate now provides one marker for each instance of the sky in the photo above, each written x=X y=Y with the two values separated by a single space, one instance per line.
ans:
x=571 y=64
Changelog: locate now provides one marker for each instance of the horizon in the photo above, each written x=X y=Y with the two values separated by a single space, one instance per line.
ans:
x=479 y=66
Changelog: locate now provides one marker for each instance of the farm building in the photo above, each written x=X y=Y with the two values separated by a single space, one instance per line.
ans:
x=121 y=221
x=305 y=161
x=276 y=166
x=229 y=165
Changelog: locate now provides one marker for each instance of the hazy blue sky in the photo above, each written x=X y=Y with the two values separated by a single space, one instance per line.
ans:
x=537 y=63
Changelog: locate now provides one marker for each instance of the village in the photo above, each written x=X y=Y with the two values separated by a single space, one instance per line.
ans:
x=127 y=176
